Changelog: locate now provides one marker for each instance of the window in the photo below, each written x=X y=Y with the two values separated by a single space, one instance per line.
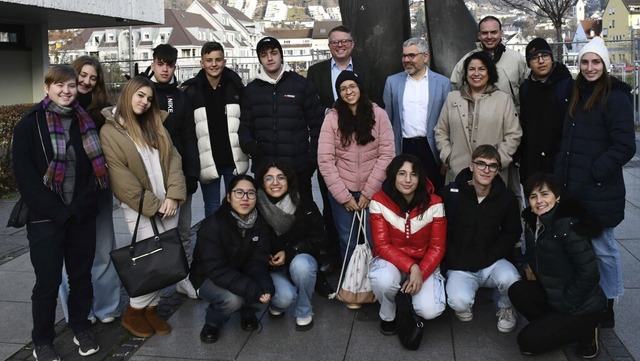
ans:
x=146 y=36
x=145 y=56
x=111 y=38
x=11 y=36
x=185 y=53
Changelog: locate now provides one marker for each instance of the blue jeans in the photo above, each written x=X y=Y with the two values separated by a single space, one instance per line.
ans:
x=106 y=284
x=609 y=264
x=386 y=280
x=462 y=285
x=222 y=303
x=211 y=191
x=298 y=283
x=343 y=219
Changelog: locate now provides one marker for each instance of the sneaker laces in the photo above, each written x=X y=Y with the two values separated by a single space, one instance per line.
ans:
x=505 y=314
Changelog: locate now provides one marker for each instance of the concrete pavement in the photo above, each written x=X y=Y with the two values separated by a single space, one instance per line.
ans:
x=338 y=334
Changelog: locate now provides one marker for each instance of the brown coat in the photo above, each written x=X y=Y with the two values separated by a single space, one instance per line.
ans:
x=127 y=173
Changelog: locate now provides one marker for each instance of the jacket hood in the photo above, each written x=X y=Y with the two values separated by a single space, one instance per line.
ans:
x=559 y=72
x=161 y=87
x=262 y=75
x=586 y=224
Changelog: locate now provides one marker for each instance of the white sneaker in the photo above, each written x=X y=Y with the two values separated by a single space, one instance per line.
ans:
x=304 y=323
x=185 y=287
x=107 y=319
x=506 y=319
x=466 y=315
x=93 y=319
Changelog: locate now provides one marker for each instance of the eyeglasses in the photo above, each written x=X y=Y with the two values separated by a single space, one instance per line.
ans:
x=342 y=42
x=493 y=167
x=270 y=179
x=410 y=56
x=350 y=88
x=239 y=194
x=544 y=57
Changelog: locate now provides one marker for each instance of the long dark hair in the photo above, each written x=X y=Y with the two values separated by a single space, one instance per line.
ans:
x=356 y=126
x=421 y=197
x=601 y=91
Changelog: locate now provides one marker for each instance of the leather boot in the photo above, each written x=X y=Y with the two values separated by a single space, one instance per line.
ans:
x=608 y=318
x=134 y=321
x=159 y=325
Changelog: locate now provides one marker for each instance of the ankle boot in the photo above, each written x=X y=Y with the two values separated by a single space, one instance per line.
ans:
x=159 y=325
x=608 y=318
x=134 y=321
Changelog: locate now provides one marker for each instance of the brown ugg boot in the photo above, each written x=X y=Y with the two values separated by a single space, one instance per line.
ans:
x=159 y=325
x=134 y=321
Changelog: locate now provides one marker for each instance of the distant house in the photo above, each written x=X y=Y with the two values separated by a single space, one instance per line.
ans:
x=24 y=46
x=585 y=31
x=619 y=18
x=516 y=42
x=296 y=46
x=320 y=39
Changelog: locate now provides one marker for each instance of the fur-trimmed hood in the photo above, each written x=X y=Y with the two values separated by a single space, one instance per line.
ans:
x=585 y=224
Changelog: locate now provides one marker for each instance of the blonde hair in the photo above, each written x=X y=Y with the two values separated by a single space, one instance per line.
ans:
x=145 y=129
x=99 y=92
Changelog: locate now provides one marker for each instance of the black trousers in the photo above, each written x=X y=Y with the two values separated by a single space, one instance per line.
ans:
x=333 y=241
x=547 y=329
x=420 y=148
x=51 y=244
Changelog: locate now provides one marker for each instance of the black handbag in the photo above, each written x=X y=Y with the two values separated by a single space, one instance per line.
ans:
x=150 y=264
x=18 y=216
x=410 y=325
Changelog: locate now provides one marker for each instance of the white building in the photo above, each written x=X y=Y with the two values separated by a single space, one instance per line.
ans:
x=276 y=11
x=24 y=57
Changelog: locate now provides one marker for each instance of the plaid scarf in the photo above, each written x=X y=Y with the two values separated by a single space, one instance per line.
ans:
x=90 y=142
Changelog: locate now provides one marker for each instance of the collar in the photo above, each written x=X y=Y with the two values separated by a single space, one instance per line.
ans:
x=335 y=65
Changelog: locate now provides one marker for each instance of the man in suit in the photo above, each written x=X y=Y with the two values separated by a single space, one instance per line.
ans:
x=324 y=75
x=413 y=100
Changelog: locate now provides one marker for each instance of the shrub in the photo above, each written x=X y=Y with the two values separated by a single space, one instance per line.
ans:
x=9 y=116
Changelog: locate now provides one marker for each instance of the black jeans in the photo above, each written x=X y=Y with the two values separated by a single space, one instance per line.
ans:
x=51 y=244
x=547 y=329
x=420 y=148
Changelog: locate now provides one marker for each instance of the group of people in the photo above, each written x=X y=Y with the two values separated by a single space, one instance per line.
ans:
x=437 y=167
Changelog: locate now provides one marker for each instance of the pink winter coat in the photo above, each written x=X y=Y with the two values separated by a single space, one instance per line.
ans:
x=357 y=168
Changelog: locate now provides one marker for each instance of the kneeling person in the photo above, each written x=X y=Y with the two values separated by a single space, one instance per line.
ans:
x=484 y=226
x=409 y=232
x=230 y=266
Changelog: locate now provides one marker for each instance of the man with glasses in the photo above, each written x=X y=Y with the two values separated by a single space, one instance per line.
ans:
x=413 y=100
x=483 y=227
x=544 y=99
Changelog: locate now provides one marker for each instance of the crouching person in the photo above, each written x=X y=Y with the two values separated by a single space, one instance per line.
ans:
x=484 y=227
x=409 y=235
x=230 y=266
x=561 y=296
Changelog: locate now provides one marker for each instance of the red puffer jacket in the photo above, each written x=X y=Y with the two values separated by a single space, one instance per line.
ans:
x=407 y=238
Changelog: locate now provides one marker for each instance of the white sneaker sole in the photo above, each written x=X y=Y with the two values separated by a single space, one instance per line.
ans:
x=88 y=353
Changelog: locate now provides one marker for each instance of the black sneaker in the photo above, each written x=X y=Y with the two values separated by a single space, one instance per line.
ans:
x=209 y=334
x=323 y=287
x=88 y=345
x=388 y=328
x=589 y=349
x=45 y=353
x=249 y=323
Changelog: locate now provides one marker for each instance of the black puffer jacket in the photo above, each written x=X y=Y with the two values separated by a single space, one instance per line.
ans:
x=562 y=257
x=479 y=234
x=595 y=145
x=542 y=109
x=281 y=121
x=306 y=235
x=232 y=261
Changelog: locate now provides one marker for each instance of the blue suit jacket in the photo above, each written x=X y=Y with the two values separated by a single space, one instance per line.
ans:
x=439 y=87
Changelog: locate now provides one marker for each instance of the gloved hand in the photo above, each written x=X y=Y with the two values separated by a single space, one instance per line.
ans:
x=192 y=184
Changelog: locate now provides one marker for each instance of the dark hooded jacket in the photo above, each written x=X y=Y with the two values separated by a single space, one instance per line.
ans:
x=479 y=234
x=233 y=261
x=595 y=146
x=542 y=109
x=562 y=258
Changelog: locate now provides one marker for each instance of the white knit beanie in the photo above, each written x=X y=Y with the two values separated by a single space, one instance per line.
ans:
x=596 y=45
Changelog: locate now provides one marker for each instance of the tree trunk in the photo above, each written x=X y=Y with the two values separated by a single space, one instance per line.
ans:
x=379 y=28
x=560 y=41
x=452 y=32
